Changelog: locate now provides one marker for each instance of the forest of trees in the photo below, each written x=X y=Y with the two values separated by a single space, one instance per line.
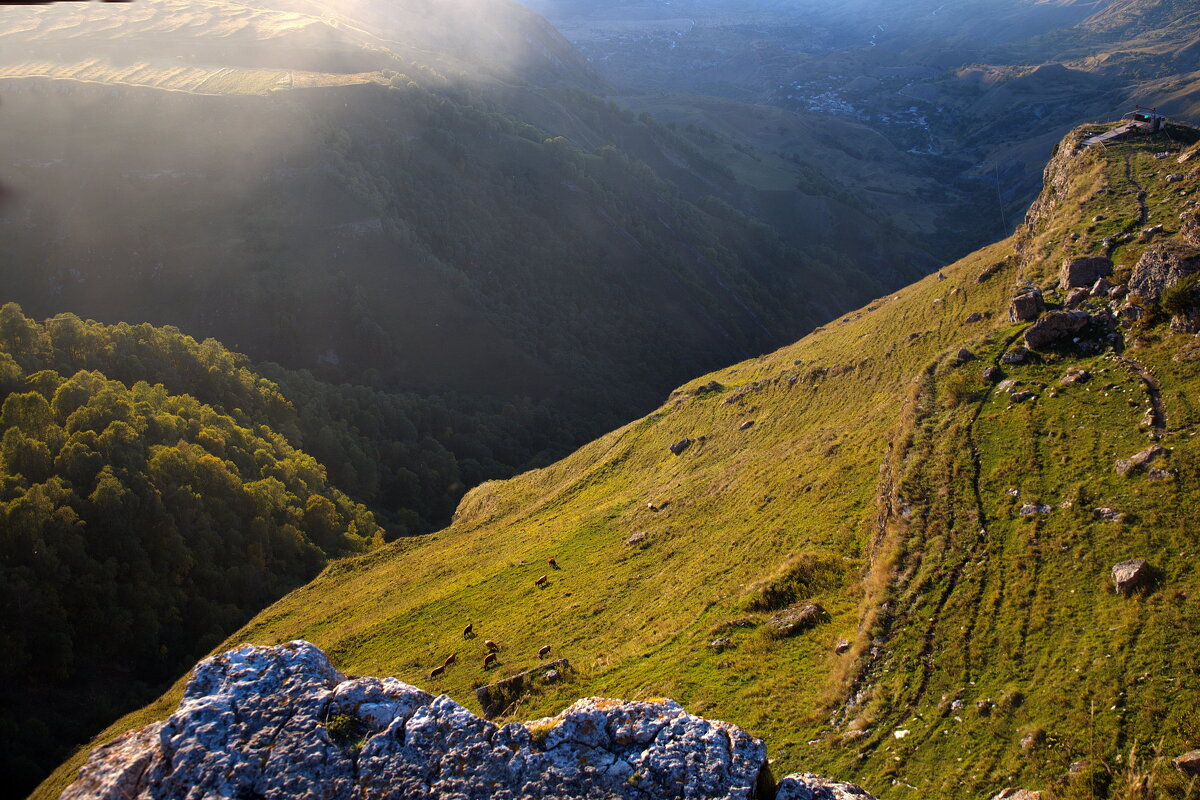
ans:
x=156 y=491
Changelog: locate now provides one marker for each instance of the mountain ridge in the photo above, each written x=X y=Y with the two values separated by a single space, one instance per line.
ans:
x=943 y=525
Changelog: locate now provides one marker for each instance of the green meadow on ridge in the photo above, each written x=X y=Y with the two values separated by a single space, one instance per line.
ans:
x=867 y=468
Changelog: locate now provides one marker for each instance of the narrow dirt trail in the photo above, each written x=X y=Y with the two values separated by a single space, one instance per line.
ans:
x=1158 y=413
x=1143 y=209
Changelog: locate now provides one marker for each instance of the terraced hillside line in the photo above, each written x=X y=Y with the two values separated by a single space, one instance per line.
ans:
x=1158 y=412
x=978 y=545
x=1143 y=209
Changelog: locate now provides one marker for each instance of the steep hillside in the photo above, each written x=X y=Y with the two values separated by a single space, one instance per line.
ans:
x=432 y=205
x=156 y=492
x=955 y=528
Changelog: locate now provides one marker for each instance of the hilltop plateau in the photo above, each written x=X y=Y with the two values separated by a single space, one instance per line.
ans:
x=941 y=546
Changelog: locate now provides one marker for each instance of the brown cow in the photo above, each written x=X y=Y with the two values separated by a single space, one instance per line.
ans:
x=450 y=659
x=437 y=671
x=545 y=651
x=469 y=631
x=490 y=645
x=489 y=660
x=542 y=581
x=552 y=562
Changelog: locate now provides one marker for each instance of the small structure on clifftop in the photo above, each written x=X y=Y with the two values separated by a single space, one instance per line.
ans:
x=1141 y=120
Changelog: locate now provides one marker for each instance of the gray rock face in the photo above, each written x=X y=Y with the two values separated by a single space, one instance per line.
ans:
x=681 y=445
x=281 y=722
x=1188 y=763
x=803 y=786
x=1140 y=459
x=1161 y=266
x=1054 y=327
x=1076 y=296
x=1084 y=271
x=1130 y=575
x=1026 y=307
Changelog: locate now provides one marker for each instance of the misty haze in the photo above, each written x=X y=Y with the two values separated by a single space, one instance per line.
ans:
x=826 y=367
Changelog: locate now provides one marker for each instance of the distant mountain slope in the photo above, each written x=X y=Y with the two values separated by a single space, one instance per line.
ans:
x=957 y=533
x=424 y=206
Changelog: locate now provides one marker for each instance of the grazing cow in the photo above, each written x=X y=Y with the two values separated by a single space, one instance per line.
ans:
x=469 y=631
x=450 y=659
x=489 y=660
x=545 y=651
x=552 y=562
x=492 y=646
x=542 y=581
x=437 y=671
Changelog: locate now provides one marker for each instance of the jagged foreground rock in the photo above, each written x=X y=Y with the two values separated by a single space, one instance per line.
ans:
x=275 y=722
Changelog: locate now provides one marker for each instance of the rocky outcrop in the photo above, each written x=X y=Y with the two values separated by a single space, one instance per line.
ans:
x=1026 y=306
x=681 y=445
x=1162 y=266
x=1188 y=763
x=804 y=786
x=1128 y=576
x=281 y=722
x=1018 y=794
x=1125 y=466
x=1084 y=272
x=1055 y=326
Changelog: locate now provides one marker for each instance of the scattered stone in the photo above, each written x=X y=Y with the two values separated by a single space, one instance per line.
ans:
x=1026 y=306
x=640 y=540
x=681 y=445
x=1007 y=385
x=1151 y=232
x=900 y=734
x=1139 y=460
x=1106 y=514
x=1075 y=375
x=1131 y=575
x=1130 y=313
x=1161 y=266
x=975 y=316
x=1188 y=763
x=256 y=722
x=1076 y=296
x=1175 y=177
x=795 y=620
x=1032 y=739
x=1084 y=271
x=1020 y=397
x=747 y=425
x=964 y=355
x=1015 y=356
x=1098 y=218
x=1018 y=794
x=1157 y=474
x=1101 y=288
x=1029 y=509
x=984 y=707
x=806 y=786
x=990 y=374
x=1118 y=291
x=957 y=705
x=724 y=643
x=711 y=386
x=1013 y=492
x=842 y=646
x=1055 y=326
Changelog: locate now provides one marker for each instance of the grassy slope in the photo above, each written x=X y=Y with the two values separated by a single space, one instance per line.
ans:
x=963 y=599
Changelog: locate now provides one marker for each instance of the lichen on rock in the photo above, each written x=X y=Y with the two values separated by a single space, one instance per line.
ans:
x=256 y=722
